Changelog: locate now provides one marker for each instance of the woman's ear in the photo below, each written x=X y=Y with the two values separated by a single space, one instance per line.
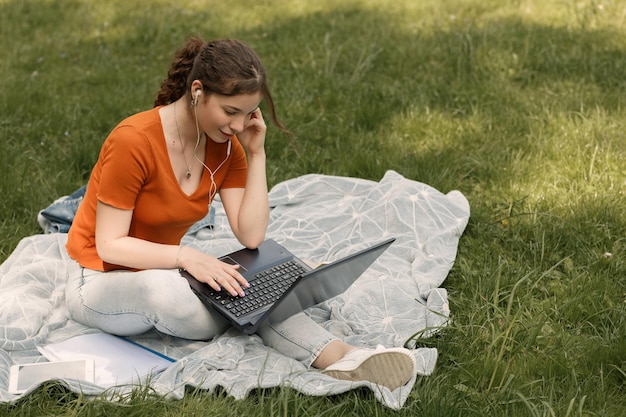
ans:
x=196 y=91
x=196 y=96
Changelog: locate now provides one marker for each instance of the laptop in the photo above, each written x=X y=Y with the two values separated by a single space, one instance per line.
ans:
x=281 y=284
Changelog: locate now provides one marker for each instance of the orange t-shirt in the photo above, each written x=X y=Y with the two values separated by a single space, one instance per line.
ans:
x=133 y=172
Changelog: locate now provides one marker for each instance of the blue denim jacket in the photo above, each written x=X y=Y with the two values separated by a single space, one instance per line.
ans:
x=58 y=216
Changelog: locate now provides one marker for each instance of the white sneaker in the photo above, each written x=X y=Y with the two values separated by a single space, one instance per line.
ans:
x=389 y=367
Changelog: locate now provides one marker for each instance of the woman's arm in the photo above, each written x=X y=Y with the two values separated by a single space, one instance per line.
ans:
x=115 y=246
x=247 y=208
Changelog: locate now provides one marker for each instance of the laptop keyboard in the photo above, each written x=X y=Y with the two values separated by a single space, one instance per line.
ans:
x=265 y=288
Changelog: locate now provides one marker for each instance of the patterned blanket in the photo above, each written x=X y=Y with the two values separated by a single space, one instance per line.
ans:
x=319 y=218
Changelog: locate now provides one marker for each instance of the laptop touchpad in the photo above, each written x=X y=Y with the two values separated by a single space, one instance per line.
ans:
x=231 y=261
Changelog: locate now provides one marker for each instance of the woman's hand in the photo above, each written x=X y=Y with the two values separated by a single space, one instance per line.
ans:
x=210 y=270
x=252 y=138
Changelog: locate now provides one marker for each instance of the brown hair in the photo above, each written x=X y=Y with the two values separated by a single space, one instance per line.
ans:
x=224 y=66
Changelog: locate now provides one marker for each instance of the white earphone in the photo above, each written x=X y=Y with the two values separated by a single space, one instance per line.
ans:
x=211 y=172
x=195 y=99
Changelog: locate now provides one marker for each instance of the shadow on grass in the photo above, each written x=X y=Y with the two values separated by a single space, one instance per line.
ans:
x=345 y=71
x=465 y=106
x=461 y=107
x=456 y=107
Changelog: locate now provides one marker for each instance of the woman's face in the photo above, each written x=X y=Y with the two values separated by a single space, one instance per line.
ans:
x=221 y=117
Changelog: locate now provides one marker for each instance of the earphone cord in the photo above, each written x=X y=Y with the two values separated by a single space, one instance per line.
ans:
x=213 y=189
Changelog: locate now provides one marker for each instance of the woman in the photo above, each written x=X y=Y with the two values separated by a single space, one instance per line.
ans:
x=156 y=175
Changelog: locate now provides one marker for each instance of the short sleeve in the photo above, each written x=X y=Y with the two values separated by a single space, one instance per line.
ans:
x=126 y=163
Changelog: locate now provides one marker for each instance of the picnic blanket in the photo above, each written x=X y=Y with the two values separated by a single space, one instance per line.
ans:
x=320 y=218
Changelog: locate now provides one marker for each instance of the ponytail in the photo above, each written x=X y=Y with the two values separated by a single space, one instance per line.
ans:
x=175 y=85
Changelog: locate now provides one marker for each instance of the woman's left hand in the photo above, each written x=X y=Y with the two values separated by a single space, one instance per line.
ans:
x=253 y=136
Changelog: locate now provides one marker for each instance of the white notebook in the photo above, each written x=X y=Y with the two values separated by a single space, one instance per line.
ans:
x=118 y=361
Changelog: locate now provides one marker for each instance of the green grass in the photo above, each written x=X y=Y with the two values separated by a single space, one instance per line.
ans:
x=518 y=104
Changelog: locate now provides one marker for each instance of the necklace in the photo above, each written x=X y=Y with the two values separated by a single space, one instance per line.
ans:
x=182 y=147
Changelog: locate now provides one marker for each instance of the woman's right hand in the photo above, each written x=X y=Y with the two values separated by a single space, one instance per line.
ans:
x=220 y=276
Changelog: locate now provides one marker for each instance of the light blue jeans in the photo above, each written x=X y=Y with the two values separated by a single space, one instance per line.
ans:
x=128 y=303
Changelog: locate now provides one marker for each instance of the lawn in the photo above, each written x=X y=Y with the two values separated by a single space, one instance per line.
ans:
x=520 y=105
